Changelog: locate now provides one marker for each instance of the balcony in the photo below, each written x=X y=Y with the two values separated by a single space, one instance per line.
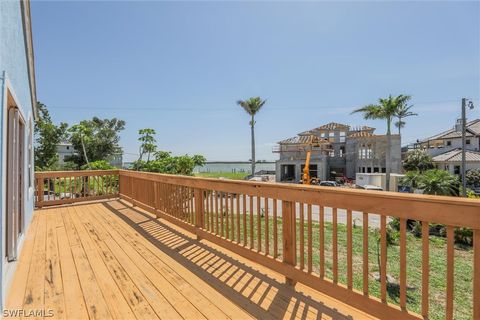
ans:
x=144 y=245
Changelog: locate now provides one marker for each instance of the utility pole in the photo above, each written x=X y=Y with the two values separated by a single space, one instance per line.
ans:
x=464 y=131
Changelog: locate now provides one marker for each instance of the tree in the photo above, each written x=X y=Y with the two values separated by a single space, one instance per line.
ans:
x=164 y=162
x=47 y=137
x=386 y=109
x=252 y=106
x=473 y=177
x=418 y=160
x=97 y=139
x=82 y=133
x=402 y=113
x=439 y=182
x=148 y=142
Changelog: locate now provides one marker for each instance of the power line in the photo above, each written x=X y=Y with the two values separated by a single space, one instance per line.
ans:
x=159 y=108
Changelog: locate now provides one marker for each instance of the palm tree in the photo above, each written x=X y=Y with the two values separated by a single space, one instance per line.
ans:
x=386 y=109
x=439 y=182
x=402 y=113
x=252 y=106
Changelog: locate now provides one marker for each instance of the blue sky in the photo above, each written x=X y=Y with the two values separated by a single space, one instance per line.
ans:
x=179 y=67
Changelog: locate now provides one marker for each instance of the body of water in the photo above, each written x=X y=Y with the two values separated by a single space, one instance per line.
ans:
x=234 y=167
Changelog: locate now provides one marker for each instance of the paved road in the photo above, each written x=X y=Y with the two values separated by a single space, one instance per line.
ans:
x=373 y=219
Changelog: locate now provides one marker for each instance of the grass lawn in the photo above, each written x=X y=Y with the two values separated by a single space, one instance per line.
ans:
x=228 y=175
x=463 y=304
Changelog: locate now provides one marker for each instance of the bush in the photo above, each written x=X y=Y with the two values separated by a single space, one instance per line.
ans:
x=473 y=177
x=97 y=165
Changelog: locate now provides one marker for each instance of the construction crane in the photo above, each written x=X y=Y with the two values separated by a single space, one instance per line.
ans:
x=312 y=142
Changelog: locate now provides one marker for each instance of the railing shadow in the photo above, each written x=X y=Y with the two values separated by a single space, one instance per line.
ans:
x=240 y=283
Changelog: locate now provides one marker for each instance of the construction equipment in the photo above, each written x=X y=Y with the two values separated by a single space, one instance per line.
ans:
x=312 y=142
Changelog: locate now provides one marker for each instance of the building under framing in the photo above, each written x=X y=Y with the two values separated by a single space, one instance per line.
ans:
x=346 y=150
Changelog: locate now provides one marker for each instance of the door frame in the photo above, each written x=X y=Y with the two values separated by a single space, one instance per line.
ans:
x=10 y=100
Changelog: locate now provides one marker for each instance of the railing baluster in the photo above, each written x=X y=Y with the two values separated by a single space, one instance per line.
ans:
x=403 y=264
x=275 y=229
x=245 y=233
x=238 y=217
x=310 y=238
x=383 y=258
x=216 y=213
x=450 y=272
x=251 y=221
x=259 y=225
x=476 y=274
x=425 y=268
x=232 y=215
x=334 y=245
x=349 y=250
x=227 y=223
x=212 y=211
x=365 y=254
x=321 y=239
x=302 y=237
x=267 y=243
x=222 y=212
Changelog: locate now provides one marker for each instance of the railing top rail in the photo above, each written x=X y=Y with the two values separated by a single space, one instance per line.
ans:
x=78 y=173
x=439 y=209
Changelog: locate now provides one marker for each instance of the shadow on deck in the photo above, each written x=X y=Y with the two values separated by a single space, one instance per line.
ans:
x=261 y=295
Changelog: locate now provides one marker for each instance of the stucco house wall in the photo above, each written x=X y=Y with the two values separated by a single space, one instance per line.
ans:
x=16 y=74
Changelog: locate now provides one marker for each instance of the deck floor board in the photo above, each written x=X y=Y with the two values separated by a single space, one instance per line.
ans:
x=109 y=260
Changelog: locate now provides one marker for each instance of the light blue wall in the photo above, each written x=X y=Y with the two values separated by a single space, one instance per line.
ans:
x=14 y=62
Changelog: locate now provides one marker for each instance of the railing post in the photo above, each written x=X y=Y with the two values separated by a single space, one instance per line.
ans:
x=39 y=186
x=155 y=199
x=199 y=210
x=476 y=274
x=289 y=236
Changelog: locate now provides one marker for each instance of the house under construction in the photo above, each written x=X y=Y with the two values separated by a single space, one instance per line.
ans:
x=344 y=151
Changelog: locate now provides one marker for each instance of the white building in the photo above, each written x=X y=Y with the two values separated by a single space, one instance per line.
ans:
x=64 y=150
x=446 y=148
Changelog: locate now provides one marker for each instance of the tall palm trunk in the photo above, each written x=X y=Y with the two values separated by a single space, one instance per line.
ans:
x=388 y=156
x=399 y=125
x=252 y=128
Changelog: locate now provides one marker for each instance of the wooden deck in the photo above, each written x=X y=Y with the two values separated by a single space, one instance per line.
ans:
x=109 y=260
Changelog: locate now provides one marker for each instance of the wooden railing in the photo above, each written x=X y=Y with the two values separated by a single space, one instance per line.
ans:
x=63 y=187
x=331 y=239
x=310 y=235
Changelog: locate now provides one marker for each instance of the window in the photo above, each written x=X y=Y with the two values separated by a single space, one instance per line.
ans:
x=331 y=136
x=376 y=169
x=467 y=141
x=342 y=136
x=369 y=170
x=342 y=152
x=456 y=170
x=68 y=148
x=384 y=170
x=331 y=153
x=449 y=143
x=30 y=153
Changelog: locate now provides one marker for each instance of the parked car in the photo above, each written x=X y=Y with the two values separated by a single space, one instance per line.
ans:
x=369 y=187
x=328 y=184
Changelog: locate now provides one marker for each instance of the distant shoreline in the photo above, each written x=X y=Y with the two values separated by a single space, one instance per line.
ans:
x=241 y=162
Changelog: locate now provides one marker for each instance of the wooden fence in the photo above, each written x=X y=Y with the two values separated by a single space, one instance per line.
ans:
x=285 y=227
